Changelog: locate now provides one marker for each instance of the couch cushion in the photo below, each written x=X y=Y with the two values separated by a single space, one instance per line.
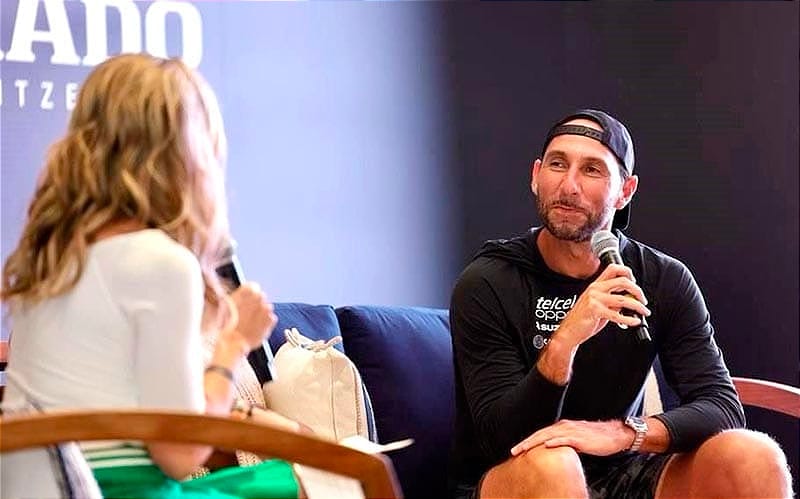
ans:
x=317 y=322
x=405 y=358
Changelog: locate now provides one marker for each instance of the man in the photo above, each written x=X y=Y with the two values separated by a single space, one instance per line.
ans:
x=550 y=372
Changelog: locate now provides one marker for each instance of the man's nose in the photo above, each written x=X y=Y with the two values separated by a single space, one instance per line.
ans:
x=569 y=181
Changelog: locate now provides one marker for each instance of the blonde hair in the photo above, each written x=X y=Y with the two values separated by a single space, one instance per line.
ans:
x=145 y=143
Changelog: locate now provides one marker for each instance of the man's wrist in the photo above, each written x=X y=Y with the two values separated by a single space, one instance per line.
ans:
x=555 y=362
x=562 y=344
x=639 y=428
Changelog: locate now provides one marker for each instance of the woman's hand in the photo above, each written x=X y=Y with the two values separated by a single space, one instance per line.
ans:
x=256 y=315
x=271 y=418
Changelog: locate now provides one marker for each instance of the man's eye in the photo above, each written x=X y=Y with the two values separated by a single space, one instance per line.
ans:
x=557 y=164
x=593 y=170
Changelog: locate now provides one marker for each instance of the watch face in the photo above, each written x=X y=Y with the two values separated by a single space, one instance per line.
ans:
x=636 y=423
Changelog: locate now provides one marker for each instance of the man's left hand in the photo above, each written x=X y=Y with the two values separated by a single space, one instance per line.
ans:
x=598 y=438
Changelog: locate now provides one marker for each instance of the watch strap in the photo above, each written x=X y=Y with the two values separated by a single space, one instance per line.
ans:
x=640 y=427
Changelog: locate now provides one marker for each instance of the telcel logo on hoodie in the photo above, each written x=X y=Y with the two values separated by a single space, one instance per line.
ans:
x=548 y=313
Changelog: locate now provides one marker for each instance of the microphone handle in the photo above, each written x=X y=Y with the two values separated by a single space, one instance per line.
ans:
x=642 y=331
x=232 y=272
x=270 y=364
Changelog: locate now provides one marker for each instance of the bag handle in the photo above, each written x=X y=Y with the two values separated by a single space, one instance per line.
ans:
x=296 y=339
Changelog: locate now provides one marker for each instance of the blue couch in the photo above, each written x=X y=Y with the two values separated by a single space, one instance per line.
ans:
x=404 y=356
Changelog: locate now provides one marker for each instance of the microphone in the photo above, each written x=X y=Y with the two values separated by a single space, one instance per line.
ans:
x=605 y=246
x=230 y=270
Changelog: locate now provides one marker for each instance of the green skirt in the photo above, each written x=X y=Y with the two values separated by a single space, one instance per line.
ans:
x=271 y=479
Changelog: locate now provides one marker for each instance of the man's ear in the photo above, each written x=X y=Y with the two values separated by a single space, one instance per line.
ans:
x=628 y=190
x=537 y=165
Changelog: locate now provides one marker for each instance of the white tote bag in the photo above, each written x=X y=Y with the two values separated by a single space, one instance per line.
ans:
x=320 y=387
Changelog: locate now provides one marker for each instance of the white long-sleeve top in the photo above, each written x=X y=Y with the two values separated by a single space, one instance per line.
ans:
x=126 y=336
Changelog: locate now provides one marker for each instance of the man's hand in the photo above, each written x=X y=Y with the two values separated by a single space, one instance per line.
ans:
x=602 y=301
x=598 y=438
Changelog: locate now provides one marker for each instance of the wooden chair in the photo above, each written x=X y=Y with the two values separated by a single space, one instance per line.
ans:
x=374 y=471
x=768 y=395
x=776 y=397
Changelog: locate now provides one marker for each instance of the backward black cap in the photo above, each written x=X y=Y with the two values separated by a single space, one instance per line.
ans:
x=614 y=136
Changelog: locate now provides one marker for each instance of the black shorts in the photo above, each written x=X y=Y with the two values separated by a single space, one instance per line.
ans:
x=632 y=476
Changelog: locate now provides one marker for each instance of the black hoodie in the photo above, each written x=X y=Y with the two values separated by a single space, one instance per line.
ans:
x=506 y=305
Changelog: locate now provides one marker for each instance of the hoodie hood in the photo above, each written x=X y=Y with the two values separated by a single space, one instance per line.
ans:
x=523 y=252
x=520 y=251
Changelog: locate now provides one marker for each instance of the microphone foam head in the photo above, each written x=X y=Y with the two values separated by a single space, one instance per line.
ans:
x=603 y=241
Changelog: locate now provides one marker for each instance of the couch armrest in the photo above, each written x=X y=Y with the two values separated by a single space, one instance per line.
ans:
x=374 y=471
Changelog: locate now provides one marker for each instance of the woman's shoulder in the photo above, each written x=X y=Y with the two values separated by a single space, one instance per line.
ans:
x=143 y=253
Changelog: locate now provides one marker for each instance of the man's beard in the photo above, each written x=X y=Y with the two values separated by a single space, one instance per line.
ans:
x=567 y=231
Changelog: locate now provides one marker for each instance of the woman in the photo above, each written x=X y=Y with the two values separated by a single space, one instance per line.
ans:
x=113 y=278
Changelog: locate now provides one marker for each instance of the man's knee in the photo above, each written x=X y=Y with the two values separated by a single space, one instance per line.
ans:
x=748 y=460
x=743 y=448
x=555 y=472
x=558 y=463
x=734 y=463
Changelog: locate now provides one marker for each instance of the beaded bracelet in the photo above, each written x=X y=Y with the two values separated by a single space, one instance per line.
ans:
x=221 y=370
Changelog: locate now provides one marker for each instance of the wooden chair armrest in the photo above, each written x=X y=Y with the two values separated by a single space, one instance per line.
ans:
x=374 y=471
x=769 y=395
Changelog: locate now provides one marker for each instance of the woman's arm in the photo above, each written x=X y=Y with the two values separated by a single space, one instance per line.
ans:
x=253 y=321
x=269 y=417
x=178 y=460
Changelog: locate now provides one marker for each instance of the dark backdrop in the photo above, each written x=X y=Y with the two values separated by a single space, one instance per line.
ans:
x=710 y=94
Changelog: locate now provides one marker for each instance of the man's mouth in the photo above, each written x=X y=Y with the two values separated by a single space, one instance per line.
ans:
x=565 y=207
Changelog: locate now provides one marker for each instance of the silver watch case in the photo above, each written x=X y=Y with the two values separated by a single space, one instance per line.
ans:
x=638 y=425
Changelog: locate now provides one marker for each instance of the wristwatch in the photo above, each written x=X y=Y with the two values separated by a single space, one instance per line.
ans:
x=243 y=408
x=638 y=425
